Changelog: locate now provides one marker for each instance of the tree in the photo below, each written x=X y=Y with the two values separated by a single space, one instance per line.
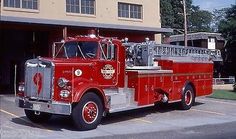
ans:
x=200 y=20
x=172 y=16
x=171 y=13
x=167 y=14
x=218 y=15
x=227 y=26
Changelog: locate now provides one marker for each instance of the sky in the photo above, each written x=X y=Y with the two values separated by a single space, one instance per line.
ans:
x=210 y=5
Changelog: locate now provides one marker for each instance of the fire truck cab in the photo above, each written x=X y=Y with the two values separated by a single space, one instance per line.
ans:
x=90 y=76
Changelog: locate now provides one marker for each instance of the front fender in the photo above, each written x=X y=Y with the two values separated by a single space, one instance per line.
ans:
x=84 y=87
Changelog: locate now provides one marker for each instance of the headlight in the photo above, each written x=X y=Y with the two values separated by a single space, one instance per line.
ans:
x=62 y=82
x=21 y=88
x=64 y=93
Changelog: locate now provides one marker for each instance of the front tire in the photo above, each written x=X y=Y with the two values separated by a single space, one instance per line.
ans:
x=41 y=117
x=188 y=98
x=87 y=114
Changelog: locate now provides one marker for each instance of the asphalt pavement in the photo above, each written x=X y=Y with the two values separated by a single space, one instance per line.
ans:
x=209 y=118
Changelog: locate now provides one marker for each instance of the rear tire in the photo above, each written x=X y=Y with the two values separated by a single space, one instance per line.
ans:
x=41 y=118
x=87 y=114
x=188 y=98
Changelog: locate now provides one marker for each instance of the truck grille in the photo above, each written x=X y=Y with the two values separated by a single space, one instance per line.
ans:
x=38 y=79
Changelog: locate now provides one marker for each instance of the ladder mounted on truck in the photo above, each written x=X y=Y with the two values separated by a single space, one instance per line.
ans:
x=144 y=54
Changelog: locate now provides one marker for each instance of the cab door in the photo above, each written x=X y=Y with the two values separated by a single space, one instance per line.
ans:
x=108 y=65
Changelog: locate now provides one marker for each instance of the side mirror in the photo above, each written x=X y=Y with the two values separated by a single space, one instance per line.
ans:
x=112 y=51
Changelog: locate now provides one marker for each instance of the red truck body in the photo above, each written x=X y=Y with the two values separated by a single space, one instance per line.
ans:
x=90 y=76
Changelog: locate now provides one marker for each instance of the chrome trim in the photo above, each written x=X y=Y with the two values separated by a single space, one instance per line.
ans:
x=62 y=82
x=48 y=107
x=143 y=68
x=47 y=69
x=129 y=108
x=91 y=110
x=174 y=101
x=120 y=99
x=53 y=79
x=153 y=71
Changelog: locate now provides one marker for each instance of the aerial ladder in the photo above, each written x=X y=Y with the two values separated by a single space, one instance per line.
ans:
x=146 y=53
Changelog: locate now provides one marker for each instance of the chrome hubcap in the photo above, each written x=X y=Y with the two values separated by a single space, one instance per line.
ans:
x=188 y=97
x=90 y=112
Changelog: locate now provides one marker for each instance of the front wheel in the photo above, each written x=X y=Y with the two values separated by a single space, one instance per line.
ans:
x=188 y=98
x=87 y=114
x=37 y=117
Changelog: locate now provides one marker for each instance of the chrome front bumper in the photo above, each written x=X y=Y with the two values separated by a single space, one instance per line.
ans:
x=54 y=107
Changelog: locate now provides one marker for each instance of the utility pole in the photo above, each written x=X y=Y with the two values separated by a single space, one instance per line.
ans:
x=185 y=25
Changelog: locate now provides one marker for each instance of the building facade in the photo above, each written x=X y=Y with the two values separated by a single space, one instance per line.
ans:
x=200 y=39
x=29 y=27
x=129 y=15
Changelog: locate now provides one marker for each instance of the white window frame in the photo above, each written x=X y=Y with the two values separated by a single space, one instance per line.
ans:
x=21 y=4
x=80 y=11
x=139 y=15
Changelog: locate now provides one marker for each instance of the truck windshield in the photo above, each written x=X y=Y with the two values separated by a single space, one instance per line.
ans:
x=75 y=49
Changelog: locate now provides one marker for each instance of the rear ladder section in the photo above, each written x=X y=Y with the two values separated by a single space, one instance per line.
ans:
x=144 y=54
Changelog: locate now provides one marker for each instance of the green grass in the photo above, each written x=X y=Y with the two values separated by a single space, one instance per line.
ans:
x=224 y=94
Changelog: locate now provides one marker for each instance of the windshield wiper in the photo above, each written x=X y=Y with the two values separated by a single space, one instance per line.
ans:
x=66 y=53
x=81 y=52
x=62 y=46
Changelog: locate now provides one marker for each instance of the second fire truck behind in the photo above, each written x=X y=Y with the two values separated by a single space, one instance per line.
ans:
x=90 y=76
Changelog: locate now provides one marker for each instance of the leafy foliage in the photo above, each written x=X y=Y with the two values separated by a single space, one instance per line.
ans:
x=218 y=15
x=172 y=13
x=227 y=26
x=167 y=14
x=200 y=20
x=172 y=16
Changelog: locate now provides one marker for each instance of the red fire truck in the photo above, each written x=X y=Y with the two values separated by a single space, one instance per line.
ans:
x=89 y=76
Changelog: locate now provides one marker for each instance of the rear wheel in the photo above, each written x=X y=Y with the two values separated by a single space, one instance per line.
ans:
x=87 y=114
x=37 y=117
x=188 y=98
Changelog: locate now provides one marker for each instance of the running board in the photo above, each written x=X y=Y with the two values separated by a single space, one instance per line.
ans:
x=128 y=108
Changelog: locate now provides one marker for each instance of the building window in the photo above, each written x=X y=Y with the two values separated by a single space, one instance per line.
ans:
x=129 y=10
x=87 y=6
x=30 y=4
x=25 y=4
x=72 y=6
x=12 y=3
x=123 y=10
x=80 y=6
x=211 y=40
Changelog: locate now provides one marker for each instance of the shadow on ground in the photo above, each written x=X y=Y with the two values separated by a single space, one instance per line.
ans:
x=58 y=122
x=140 y=113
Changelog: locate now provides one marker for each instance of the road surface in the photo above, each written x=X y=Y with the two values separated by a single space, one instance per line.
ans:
x=209 y=118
